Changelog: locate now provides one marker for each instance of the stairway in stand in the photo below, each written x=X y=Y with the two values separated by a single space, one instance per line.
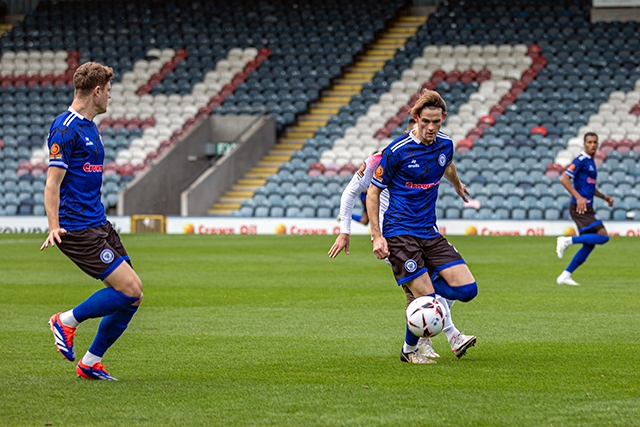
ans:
x=373 y=60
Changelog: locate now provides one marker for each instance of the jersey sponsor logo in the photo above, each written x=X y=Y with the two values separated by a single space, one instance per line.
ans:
x=421 y=186
x=54 y=152
x=88 y=167
x=413 y=164
x=591 y=181
x=379 y=172
x=107 y=256
x=410 y=265
x=442 y=159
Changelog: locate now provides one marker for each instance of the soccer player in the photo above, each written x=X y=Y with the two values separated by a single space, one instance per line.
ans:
x=590 y=227
x=78 y=225
x=359 y=183
x=411 y=168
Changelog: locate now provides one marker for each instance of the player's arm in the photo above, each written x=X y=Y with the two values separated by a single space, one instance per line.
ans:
x=581 y=202
x=365 y=216
x=380 y=248
x=347 y=201
x=603 y=196
x=451 y=173
x=55 y=175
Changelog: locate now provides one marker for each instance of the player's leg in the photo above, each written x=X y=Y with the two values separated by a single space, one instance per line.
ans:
x=113 y=325
x=460 y=283
x=459 y=275
x=405 y=259
x=425 y=346
x=450 y=268
x=451 y=276
x=592 y=232
x=123 y=280
x=90 y=251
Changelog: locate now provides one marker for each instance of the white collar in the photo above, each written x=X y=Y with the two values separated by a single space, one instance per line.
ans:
x=76 y=113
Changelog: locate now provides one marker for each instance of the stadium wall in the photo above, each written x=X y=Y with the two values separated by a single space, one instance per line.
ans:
x=300 y=226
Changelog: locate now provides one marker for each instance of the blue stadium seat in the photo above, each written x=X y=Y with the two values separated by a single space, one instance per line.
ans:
x=535 y=214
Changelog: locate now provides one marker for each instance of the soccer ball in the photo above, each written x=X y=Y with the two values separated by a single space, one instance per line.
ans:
x=425 y=316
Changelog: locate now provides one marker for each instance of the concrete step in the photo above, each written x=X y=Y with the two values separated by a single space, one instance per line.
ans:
x=256 y=182
x=276 y=158
x=243 y=194
x=308 y=123
x=322 y=111
x=220 y=211
x=227 y=200
x=230 y=206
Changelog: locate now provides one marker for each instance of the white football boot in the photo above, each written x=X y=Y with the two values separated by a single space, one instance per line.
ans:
x=562 y=244
x=565 y=279
x=460 y=343
x=415 y=357
x=425 y=347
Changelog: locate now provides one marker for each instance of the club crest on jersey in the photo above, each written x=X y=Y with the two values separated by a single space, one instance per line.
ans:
x=54 y=152
x=410 y=265
x=442 y=159
x=106 y=256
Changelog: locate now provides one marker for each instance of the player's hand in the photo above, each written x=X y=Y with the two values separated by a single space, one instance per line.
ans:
x=342 y=242
x=463 y=192
x=53 y=237
x=380 y=248
x=581 y=205
x=609 y=200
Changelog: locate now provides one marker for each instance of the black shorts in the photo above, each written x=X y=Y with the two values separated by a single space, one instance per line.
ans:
x=588 y=222
x=97 y=251
x=411 y=257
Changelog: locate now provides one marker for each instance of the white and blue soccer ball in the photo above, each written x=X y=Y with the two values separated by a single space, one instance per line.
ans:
x=425 y=316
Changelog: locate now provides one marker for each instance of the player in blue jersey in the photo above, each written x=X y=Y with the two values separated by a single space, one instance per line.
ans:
x=78 y=224
x=590 y=227
x=411 y=168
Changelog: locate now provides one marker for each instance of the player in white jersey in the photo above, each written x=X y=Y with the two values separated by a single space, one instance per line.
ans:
x=359 y=183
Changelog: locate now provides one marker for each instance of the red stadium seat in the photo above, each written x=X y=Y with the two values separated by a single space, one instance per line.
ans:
x=624 y=145
x=464 y=145
x=553 y=170
x=488 y=119
x=539 y=130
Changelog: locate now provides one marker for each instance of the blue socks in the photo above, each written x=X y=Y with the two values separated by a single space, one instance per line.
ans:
x=591 y=239
x=102 y=303
x=460 y=293
x=410 y=339
x=581 y=256
x=110 y=329
x=589 y=242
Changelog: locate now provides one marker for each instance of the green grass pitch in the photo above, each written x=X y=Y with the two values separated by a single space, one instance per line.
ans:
x=267 y=330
